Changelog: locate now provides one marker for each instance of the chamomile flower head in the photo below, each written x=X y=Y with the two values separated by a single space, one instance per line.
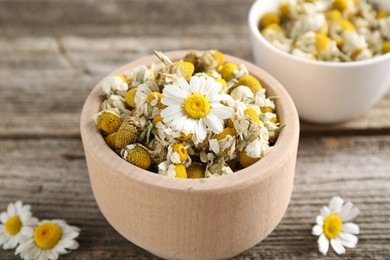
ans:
x=16 y=224
x=333 y=226
x=50 y=239
x=114 y=84
x=195 y=107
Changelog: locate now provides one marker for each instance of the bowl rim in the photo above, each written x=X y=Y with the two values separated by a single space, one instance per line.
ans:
x=95 y=145
x=253 y=20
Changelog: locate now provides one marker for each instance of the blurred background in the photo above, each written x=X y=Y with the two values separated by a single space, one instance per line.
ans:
x=53 y=52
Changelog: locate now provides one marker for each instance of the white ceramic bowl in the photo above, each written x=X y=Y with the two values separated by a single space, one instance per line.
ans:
x=323 y=92
x=210 y=218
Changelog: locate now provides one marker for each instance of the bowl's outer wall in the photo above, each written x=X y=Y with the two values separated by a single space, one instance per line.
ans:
x=322 y=93
x=194 y=219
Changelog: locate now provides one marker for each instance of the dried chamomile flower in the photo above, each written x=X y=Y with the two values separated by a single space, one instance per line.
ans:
x=224 y=144
x=108 y=121
x=157 y=151
x=386 y=47
x=178 y=153
x=111 y=140
x=251 y=82
x=218 y=168
x=205 y=60
x=137 y=155
x=228 y=71
x=180 y=171
x=128 y=132
x=114 y=84
x=269 y=18
x=130 y=96
x=195 y=171
x=245 y=160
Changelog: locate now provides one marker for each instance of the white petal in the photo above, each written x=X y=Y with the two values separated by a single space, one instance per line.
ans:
x=325 y=212
x=214 y=123
x=349 y=237
x=211 y=87
x=184 y=85
x=190 y=126
x=320 y=220
x=222 y=97
x=52 y=254
x=351 y=228
x=18 y=206
x=179 y=124
x=3 y=217
x=60 y=249
x=32 y=222
x=11 y=210
x=24 y=246
x=345 y=209
x=174 y=92
x=213 y=144
x=347 y=244
x=323 y=244
x=43 y=255
x=171 y=112
x=201 y=130
x=222 y=112
x=168 y=101
x=213 y=91
x=72 y=244
x=26 y=231
x=11 y=243
x=3 y=238
x=351 y=214
x=202 y=85
x=336 y=204
x=337 y=246
x=317 y=230
x=194 y=84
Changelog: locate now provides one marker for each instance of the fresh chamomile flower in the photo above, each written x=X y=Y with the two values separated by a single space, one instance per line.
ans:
x=333 y=226
x=195 y=107
x=51 y=239
x=16 y=224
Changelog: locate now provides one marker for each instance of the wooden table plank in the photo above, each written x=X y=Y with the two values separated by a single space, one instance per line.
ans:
x=44 y=81
x=55 y=182
x=106 y=18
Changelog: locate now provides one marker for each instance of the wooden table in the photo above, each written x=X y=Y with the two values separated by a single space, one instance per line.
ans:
x=52 y=52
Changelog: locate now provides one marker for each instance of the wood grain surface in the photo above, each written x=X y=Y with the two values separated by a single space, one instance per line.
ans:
x=52 y=52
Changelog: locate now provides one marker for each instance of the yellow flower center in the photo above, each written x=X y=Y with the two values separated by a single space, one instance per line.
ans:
x=332 y=226
x=47 y=235
x=181 y=150
x=13 y=225
x=140 y=157
x=180 y=171
x=196 y=106
x=195 y=171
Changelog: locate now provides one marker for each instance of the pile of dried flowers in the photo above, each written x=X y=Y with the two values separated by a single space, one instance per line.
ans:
x=328 y=30
x=194 y=118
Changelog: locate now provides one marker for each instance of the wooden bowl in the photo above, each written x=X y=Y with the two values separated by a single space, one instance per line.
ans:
x=210 y=218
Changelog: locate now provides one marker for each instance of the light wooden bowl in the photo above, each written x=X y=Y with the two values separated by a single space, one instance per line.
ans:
x=193 y=218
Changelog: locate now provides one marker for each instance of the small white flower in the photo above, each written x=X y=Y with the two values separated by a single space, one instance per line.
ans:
x=333 y=226
x=51 y=238
x=195 y=107
x=16 y=224
x=242 y=93
x=114 y=84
